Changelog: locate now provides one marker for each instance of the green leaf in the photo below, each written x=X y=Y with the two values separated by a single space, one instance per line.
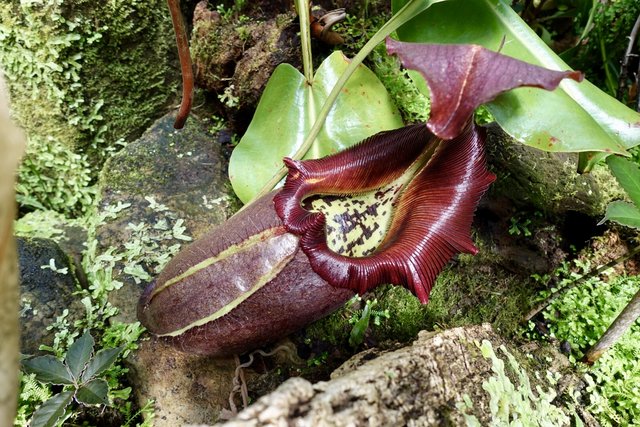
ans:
x=627 y=173
x=576 y=117
x=287 y=110
x=50 y=411
x=100 y=362
x=93 y=393
x=360 y=328
x=623 y=213
x=48 y=369
x=79 y=353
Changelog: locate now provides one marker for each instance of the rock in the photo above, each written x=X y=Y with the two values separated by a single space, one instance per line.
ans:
x=186 y=388
x=168 y=177
x=438 y=380
x=548 y=182
x=80 y=110
x=235 y=58
x=45 y=294
x=177 y=186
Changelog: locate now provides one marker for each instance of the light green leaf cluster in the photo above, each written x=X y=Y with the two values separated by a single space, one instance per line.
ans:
x=44 y=224
x=83 y=76
x=580 y=317
x=52 y=176
x=150 y=246
x=515 y=404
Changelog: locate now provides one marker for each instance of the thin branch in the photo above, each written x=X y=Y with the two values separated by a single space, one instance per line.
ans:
x=185 y=63
x=624 y=68
x=619 y=326
x=580 y=280
x=305 y=39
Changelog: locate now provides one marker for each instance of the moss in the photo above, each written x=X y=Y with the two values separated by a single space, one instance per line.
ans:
x=512 y=396
x=546 y=181
x=473 y=290
x=83 y=76
x=333 y=329
x=414 y=106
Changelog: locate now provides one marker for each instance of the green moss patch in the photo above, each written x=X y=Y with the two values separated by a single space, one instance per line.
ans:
x=83 y=76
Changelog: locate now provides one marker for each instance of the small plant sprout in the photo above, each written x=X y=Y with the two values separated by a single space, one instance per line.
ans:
x=79 y=375
x=362 y=318
x=52 y=266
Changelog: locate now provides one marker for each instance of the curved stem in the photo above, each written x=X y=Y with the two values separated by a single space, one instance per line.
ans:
x=305 y=39
x=185 y=63
x=623 y=322
x=624 y=68
x=410 y=10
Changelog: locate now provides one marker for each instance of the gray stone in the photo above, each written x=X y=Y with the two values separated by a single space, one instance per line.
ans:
x=44 y=293
x=181 y=169
x=185 y=172
x=186 y=388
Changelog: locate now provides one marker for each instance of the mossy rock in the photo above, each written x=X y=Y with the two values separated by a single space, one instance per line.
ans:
x=235 y=56
x=45 y=293
x=548 y=182
x=168 y=178
x=84 y=76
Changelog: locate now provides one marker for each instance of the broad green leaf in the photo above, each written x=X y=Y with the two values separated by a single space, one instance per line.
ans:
x=48 y=369
x=50 y=411
x=79 y=353
x=576 y=117
x=628 y=175
x=100 y=362
x=287 y=110
x=93 y=393
x=623 y=213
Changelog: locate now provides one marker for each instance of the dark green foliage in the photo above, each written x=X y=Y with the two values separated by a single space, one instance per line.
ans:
x=599 y=55
x=78 y=373
x=52 y=410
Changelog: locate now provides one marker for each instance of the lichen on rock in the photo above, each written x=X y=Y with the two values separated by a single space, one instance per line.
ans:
x=443 y=378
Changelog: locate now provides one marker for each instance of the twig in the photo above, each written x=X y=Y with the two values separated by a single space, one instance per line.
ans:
x=537 y=309
x=302 y=7
x=619 y=326
x=624 y=68
x=185 y=63
x=638 y=87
